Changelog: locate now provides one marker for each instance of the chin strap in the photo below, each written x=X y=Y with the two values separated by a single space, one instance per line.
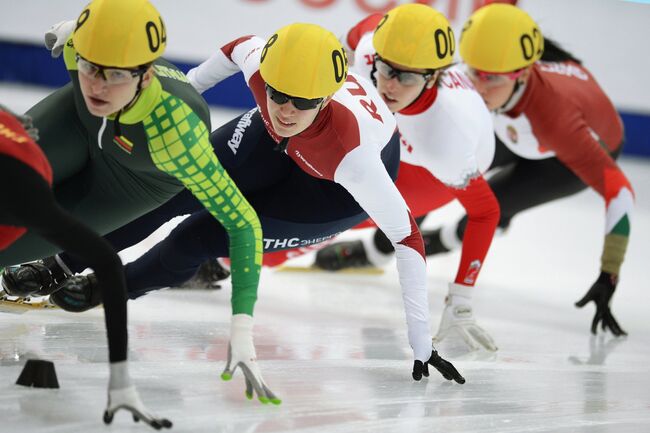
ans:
x=515 y=96
x=138 y=90
x=282 y=145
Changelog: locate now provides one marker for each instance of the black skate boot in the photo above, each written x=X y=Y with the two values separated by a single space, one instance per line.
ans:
x=342 y=255
x=433 y=242
x=39 y=278
x=78 y=293
x=207 y=276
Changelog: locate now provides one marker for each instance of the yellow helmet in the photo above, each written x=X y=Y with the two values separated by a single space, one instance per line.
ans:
x=120 y=33
x=416 y=36
x=304 y=60
x=500 y=38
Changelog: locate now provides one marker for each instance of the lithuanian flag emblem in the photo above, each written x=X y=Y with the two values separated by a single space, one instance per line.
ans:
x=123 y=143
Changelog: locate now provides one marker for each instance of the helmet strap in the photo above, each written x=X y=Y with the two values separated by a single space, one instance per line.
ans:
x=138 y=90
x=373 y=71
x=282 y=145
x=515 y=96
x=424 y=89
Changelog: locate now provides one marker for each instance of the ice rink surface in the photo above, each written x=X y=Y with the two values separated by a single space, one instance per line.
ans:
x=334 y=347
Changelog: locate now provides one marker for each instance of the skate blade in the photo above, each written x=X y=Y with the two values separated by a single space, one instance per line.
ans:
x=313 y=269
x=13 y=305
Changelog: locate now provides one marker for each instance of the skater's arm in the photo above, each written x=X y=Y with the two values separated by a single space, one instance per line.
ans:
x=240 y=55
x=191 y=160
x=31 y=204
x=365 y=177
x=590 y=160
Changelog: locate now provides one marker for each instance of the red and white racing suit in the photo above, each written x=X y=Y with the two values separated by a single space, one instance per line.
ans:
x=343 y=145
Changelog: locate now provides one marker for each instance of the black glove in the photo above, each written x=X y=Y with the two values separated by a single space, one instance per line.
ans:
x=601 y=293
x=445 y=368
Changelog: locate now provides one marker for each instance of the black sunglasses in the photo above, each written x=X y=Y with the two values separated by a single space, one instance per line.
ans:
x=300 y=103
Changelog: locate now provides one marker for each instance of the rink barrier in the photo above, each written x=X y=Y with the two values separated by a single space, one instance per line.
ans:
x=31 y=64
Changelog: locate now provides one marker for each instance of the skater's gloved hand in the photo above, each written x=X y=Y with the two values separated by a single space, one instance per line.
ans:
x=445 y=368
x=241 y=353
x=57 y=35
x=129 y=399
x=601 y=293
x=458 y=317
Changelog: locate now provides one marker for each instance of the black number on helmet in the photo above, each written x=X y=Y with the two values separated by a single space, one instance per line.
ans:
x=527 y=46
x=163 y=33
x=83 y=17
x=452 y=41
x=340 y=61
x=537 y=36
x=153 y=36
x=441 y=38
x=465 y=27
x=381 y=23
x=270 y=42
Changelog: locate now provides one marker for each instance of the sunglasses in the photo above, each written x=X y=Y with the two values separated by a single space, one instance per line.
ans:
x=300 y=103
x=406 y=78
x=110 y=75
x=491 y=79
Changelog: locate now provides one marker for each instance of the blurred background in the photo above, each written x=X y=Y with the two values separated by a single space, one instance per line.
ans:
x=610 y=36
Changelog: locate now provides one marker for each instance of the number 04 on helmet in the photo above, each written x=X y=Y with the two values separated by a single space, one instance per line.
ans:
x=120 y=33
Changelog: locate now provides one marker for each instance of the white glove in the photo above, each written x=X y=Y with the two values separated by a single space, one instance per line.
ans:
x=241 y=353
x=57 y=35
x=129 y=399
x=458 y=316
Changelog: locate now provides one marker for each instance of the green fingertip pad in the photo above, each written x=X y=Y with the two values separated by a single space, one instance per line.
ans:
x=249 y=396
x=226 y=376
x=276 y=401
x=264 y=400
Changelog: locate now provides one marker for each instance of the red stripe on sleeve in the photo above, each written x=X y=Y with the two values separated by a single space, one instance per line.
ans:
x=230 y=46
x=366 y=25
x=414 y=240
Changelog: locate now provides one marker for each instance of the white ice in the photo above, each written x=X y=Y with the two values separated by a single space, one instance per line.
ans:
x=334 y=347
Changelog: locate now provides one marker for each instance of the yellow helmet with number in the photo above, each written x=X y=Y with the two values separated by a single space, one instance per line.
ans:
x=500 y=38
x=416 y=36
x=304 y=60
x=120 y=33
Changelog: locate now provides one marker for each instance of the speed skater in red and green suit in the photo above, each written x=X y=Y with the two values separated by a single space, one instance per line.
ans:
x=558 y=133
